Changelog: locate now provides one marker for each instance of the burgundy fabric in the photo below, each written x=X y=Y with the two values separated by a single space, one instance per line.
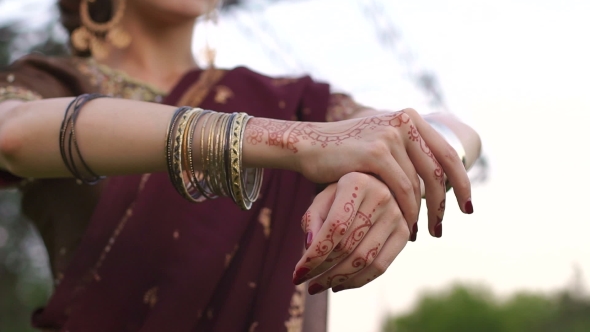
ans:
x=165 y=267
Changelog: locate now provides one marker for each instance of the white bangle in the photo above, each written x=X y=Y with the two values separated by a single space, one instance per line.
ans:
x=450 y=137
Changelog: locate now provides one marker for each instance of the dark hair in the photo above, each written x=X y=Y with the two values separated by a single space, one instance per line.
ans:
x=100 y=11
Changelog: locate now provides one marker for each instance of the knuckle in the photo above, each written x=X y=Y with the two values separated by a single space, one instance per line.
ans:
x=410 y=111
x=462 y=184
x=406 y=187
x=377 y=149
x=354 y=179
x=450 y=154
x=380 y=267
x=383 y=194
x=405 y=231
x=393 y=135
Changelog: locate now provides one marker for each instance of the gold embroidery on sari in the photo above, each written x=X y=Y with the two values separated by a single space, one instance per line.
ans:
x=17 y=92
x=230 y=256
x=296 y=310
x=265 y=220
x=151 y=297
x=253 y=327
x=222 y=94
x=195 y=95
x=116 y=83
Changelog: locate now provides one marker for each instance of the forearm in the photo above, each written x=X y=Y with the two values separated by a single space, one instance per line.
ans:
x=116 y=137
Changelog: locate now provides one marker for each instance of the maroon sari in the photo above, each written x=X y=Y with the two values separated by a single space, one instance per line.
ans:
x=151 y=261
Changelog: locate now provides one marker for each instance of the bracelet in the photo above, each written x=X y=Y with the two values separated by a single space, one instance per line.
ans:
x=68 y=144
x=221 y=137
x=450 y=137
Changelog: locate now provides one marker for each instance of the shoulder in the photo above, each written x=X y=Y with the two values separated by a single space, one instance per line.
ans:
x=44 y=75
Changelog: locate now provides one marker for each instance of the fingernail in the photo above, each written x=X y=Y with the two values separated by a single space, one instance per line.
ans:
x=438 y=228
x=338 y=288
x=469 y=207
x=309 y=238
x=300 y=274
x=414 y=234
x=315 y=288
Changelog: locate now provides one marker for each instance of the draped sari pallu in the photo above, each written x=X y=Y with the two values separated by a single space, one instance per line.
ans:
x=151 y=261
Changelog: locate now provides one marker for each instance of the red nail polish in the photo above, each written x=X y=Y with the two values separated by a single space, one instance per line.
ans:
x=338 y=288
x=438 y=228
x=308 y=240
x=414 y=234
x=300 y=274
x=469 y=207
x=315 y=288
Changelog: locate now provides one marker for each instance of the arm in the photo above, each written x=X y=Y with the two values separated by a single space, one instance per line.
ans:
x=116 y=136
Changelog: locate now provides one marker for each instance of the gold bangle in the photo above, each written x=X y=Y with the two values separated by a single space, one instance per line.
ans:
x=235 y=164
x=177 y=153
x=191 y=191
x=252 y=177
x=203 y=184
x=170 y=139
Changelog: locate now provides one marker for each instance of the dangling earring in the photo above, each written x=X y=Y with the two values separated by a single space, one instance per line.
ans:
x=96 y=37
x=212 y=16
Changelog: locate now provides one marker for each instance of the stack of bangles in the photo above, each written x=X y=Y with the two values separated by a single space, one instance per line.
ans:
x=221 y=138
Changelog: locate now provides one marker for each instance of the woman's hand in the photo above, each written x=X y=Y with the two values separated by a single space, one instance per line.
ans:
x=396 y=147
x=354 y=230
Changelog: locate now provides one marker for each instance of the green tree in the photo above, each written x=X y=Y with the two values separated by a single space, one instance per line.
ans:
x=465 y=308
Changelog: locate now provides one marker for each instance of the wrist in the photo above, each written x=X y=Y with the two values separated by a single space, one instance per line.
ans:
x=269 y=144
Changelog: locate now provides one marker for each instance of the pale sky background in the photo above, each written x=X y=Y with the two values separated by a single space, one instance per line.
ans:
x=518 y=71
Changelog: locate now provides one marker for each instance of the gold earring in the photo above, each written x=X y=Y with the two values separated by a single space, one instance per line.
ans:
x=95 y=37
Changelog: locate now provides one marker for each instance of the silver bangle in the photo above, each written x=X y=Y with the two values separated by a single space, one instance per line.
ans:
x=450 y=137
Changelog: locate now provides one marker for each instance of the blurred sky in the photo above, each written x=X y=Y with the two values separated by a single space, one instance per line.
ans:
x=516 y=70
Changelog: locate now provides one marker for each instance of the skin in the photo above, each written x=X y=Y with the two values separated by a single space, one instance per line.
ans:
x=397 y=148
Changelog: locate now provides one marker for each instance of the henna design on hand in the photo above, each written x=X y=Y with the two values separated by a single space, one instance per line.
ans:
x=326 y=246
x=305 y=221
x=438 y=171
x=441 y=207
x=286 y=134
x=353 y=238
x=358 y=264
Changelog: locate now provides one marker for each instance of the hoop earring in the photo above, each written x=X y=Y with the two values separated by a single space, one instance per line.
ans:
x=96 y=37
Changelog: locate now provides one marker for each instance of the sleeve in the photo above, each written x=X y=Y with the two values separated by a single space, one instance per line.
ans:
x=36 y=77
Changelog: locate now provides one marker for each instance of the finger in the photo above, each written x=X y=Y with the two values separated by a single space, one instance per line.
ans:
x=393 y=246
x=410 y=170
x=359 y=259
x=339 y=219
x=372 y=208
x=432 y=174
x=449 y=160
x=312 y=220
x=398 y=182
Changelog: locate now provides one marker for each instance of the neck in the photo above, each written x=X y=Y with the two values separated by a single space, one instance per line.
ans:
x=158 y=54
